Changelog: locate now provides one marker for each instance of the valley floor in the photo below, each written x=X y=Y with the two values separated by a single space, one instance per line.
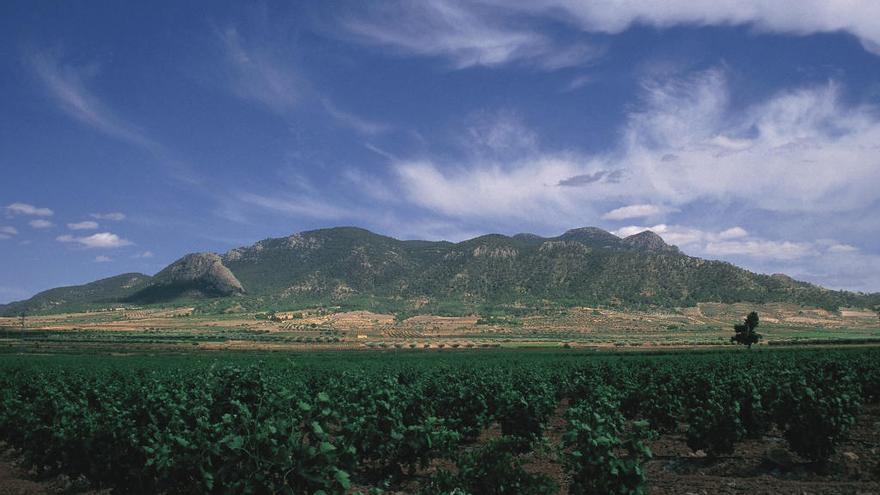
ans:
x=708 y=324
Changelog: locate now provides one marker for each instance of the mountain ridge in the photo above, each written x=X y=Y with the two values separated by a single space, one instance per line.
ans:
x=355 y=267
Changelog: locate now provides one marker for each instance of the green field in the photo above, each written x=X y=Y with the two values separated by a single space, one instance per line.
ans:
x=416 y=421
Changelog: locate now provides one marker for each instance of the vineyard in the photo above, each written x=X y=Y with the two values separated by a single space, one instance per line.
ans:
x=489 y=422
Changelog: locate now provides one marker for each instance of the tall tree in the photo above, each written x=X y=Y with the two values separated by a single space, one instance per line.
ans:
x=745 y=333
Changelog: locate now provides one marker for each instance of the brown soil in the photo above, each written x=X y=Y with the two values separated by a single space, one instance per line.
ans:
x=765 y=466
x=16 y=481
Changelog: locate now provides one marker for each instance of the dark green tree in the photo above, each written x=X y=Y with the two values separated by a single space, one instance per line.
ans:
x=745 y=333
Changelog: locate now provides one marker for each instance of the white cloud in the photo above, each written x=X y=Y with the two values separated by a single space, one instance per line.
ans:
x=41 y=224
x=26 y=209
x=491 y=189
x=802 y=150
x=467 y=34
x=115 y=216
x=800 y=17
x=143 y=254
x=842 y=248
x=634 y=211
x=733 y=233
x=736 y=242
x=100 y=240
x=103 y=259
x=7 y=232
x=85 y=225
x=761 y=249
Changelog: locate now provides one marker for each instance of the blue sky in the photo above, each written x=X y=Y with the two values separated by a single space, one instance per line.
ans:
x=133 y=133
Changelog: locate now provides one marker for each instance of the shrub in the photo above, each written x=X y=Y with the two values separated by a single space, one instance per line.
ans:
x=815 y=413
x=490 y=470
x=714 y=423
x=593 y=458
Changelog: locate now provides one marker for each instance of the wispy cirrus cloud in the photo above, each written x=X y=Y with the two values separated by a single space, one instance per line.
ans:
x=296 y=205
x=105 y=240
x=260 y=65
x=66 y=83
x=27 y=209
x=258 y=71
x=352 y=121
x=465 y=34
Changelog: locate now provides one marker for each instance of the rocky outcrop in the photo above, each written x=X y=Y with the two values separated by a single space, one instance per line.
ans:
x=204 y=270
x=194 y=275
x=593 y=237
x=648 y=241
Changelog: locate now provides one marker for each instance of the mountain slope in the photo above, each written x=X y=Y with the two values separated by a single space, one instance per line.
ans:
x=108 y=290
x=581 y=266
x=357 y=268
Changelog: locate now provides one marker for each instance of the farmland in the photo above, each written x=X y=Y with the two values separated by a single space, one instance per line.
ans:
x=405 y=421
x=143 y=399
x=184 y=328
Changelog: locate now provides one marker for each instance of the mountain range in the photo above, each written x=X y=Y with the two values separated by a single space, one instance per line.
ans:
x=358 y=269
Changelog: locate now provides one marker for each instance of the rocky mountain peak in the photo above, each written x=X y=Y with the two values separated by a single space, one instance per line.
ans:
x=203 y=271
x=592 y=236
x=648 y=241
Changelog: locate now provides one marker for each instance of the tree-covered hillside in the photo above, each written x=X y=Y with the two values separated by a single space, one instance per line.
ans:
x=353 y=267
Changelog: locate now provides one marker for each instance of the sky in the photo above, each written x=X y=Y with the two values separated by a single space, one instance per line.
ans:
x=132 y=133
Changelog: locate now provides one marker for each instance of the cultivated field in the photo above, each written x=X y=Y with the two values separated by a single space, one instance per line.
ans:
x=765 y=421
x=707 y=324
